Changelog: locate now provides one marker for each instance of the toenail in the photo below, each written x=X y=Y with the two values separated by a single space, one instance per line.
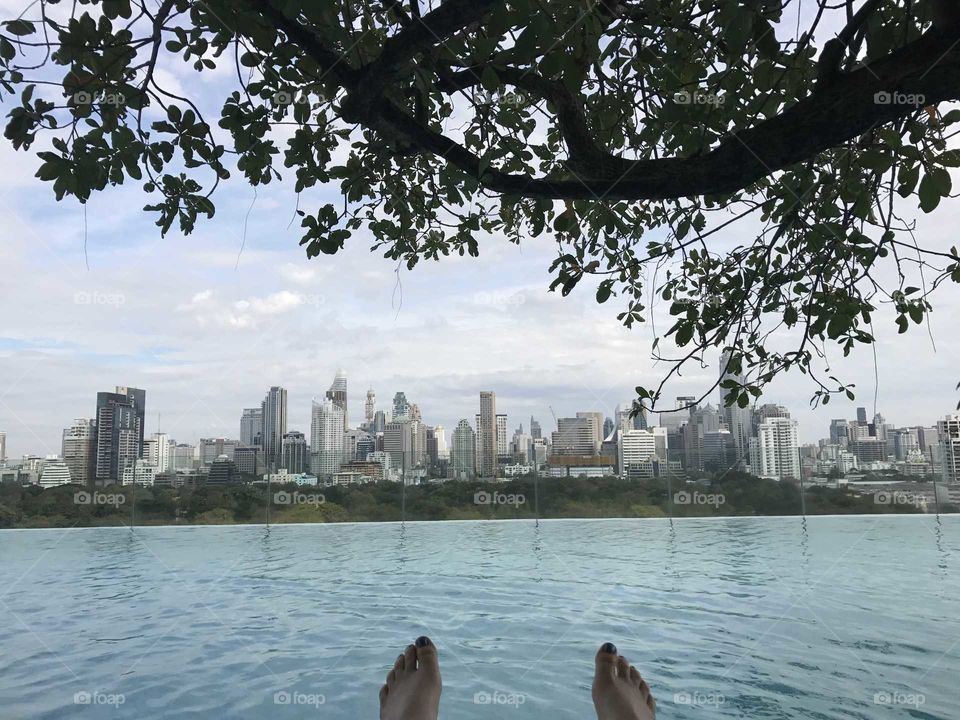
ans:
x=423 y=641
x=609 y=648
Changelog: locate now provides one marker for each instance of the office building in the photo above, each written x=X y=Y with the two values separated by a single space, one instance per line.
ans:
x=463 y=449
x=213 y=448
x=401 y=408
x=158 y=451
x=398 y=443
x=78 y=450
x=577 y=435
x=119 y=434
x=370 y=407
x=487 y=436
x=296 y=458
x=251 y=427
x=774 y=451
x=54 y=472
x=274 y=410
x=326 y=438
x=948 y=430
x=338 y=394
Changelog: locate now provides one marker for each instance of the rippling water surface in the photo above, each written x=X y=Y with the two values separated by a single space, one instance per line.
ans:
x=742 y=618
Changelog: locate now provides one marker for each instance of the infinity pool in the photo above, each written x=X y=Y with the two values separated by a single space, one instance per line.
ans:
x=832 y=617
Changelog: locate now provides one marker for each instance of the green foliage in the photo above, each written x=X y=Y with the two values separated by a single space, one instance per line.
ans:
x=631 y=133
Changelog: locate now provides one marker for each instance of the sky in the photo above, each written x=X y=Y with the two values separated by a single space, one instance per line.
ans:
x=206 y=328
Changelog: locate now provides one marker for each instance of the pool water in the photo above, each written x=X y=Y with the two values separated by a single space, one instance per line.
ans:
x=831 y=617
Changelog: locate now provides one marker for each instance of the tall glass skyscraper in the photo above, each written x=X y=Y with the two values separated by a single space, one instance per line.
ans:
x=274 y=410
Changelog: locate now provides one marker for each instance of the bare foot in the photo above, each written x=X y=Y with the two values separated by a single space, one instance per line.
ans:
x=619 y=693
x=412 y=691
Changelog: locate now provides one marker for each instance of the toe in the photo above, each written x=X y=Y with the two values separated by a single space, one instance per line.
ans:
x=383 y=694
x=623 y=667
x=652 y=704
x=391 y=677
x=426 y=654
x=644 y=689
x=400 y=664
x=606 y=660
x=410 y=658
x=635 y=676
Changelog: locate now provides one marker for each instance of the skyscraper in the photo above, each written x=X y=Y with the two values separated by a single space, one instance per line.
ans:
x=370 y=407
x=487 y=436
x=596 y=423
x=338 y=394
x=157 y=451
x=774 y=452
x=949 y=432
x=535 y=430
x=251 y=427
x=295 y=456
x=77 y=450
x=503 y=442
x=139 y=400
x=274 y=413
x=401 y=408
x=119 y=440
x=861 y=416
x=399 y=441
x=739 y=420
x=463 y=449
x=326 y=438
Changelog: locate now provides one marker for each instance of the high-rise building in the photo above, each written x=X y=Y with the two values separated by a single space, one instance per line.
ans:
x=702 y=420
x=139 y=400
x=596 y=422
x=119 y=440
x=212 y=448
x=326 y=438
x=398 y=443
x=274 y=410
x=440 y=435
x=949 y=431
x=905 y=442
x=463 y=449
x=3 y=449
x=401 y=408
x=295 y=455
x=641 y=452
x=536 y=432
x=338 y=394
x=861 y=416
x=738 y=420
x=379 y=422
x=503 y=442
x=487 y=436
x=247 y=460
x=775 y=451
x=157 y=451
x=251 y=427
x=576 y=436
x=370 y=407
x=673 y=419
x=78 y=450
x=839 y=432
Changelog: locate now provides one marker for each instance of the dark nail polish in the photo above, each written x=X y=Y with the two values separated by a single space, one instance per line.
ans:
x=423 y=641
x=609 y=648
